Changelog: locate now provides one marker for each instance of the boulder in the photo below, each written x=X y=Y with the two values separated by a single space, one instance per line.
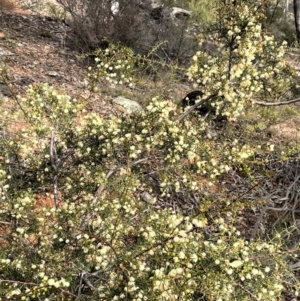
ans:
x=179 y=13
x=127 y=105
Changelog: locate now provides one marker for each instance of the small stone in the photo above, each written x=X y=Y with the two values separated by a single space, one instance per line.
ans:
x=53 y=73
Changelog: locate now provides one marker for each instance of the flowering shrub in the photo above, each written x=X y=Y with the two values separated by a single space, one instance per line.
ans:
x=115 y=64
x=125 y=215
x=247 y=66
x=108 y=233
x=120 y=65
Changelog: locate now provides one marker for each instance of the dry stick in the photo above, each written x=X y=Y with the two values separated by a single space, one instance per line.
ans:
x=32 y=284
x=196 y=105
x=266 y=208
x=84 y=278
x=102 y=187
x=295 y=266
x=5 y=223
x=88 y=282
x=285 y=207
x=259 y=219
x=274 y=104
x=247 y=291
x=80 y=284
x=14 y=96
x=54 y=164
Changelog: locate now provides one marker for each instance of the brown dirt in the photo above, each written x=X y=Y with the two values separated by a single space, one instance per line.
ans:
x=37 y=49
x=288 y=129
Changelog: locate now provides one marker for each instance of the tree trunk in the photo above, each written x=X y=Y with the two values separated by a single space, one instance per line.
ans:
x=297 y=18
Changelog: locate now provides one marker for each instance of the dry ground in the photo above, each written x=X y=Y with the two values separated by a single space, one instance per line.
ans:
x=38 y=48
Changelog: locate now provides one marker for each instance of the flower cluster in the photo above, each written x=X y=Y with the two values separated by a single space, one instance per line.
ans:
x=115 y=64
x=105 y=237
x=250 y=65
x=108 y=231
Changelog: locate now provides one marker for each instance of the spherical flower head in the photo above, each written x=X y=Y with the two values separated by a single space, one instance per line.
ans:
x=181 y=255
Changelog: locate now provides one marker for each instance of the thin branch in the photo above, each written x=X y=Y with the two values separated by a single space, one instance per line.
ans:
x=13 y=94
x=18 y=282
x=87 y=282
x=32 y=284
x=274 y=104
x=110 y=173
x=96 y=274
x=54 y=164
x=5 y=223
x=102 y=187
x=247 y=291
x=295 y=266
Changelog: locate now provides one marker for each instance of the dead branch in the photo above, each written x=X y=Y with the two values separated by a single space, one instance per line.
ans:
x=274 y=104
x=54 y=164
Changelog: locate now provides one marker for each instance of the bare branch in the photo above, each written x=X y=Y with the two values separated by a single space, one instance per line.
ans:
x=87 y=281
x=54 y=164
x=247 y=291
x=274 y=104
x=111 y=172
x=5 y=223
x=102 y=187
x=295 y=266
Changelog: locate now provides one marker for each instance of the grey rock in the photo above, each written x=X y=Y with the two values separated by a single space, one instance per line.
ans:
x=180 y=13
x=130 y=106
x=53 y=73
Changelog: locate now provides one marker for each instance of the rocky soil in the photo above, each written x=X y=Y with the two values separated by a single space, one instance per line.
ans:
x=36 y=48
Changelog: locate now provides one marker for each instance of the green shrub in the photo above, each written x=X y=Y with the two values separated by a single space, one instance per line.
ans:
x=109 y=231
x=116 y=64
x=120 y=65
x=203 y=11
x=247 y=66
x=116 y=208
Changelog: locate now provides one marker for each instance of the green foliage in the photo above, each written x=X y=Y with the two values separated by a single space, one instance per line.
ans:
x=116 y=64
x=203 y=11
x=116 y=208
x=247 y=65
x=120 y=65
x=105 y=239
